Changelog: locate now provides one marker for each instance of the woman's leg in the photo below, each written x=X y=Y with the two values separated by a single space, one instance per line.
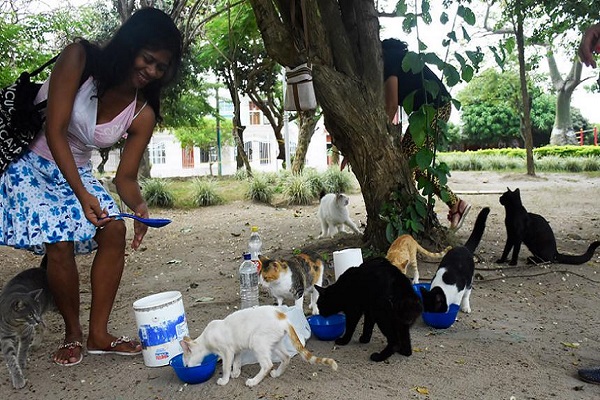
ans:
x=107 y=269
x=63 y=279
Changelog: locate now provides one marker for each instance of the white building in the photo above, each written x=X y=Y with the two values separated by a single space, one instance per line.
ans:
x=169 y=159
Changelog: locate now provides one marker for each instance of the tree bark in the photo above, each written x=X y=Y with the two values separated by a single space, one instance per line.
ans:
x=526 y=114
x=562 y=131
x=308 y=120
x=345 y=52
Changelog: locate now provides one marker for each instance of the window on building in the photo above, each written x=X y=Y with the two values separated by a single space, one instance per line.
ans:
x=187 y=157
x=265 y=153
x=255 y=114
x=158 y=153
x=248 y=150
x=208 y=155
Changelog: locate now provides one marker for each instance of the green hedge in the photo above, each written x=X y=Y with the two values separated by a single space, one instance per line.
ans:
x=559 y=151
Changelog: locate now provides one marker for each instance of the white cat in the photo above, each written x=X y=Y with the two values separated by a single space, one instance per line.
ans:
x=259 y=329
x=333 y=214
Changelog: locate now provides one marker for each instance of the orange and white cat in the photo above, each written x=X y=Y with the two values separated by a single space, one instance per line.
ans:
x=259 y=329
x=403 y=253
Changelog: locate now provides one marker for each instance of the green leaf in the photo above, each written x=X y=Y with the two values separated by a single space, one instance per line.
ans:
x=465 y=34
x=421 y=209
x=444 y=18
x=409 y=22
x=452 y=36
x=424 y=157
x=467 y=73
x=412 y=62
x=418 y=122
x=452 y=76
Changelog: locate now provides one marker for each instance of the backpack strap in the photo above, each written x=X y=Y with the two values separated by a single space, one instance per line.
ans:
x=43 y=67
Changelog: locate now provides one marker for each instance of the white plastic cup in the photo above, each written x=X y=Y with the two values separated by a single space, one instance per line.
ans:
x=344 y=259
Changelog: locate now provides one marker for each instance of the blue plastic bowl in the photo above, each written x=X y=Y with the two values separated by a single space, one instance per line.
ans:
x=327 y=328
x=417 y=286
x=198 y=374
x=441 y=320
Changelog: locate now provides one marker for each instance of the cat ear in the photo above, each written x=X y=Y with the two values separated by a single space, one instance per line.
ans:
x=185 y=344
x=17 y=305
x=517 y=191
x=319 y=289
x=35 y=294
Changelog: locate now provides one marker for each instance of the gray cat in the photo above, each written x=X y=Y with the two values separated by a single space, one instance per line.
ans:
x=23 y=301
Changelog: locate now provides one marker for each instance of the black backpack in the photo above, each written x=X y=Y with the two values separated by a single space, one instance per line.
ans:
x=20 y=119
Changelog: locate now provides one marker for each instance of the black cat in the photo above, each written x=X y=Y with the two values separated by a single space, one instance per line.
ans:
x=380 y=292
x=535 y=232
x=453 y=280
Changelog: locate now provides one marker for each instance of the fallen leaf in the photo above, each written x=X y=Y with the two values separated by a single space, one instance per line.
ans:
x=574 y=345
x=422 y=390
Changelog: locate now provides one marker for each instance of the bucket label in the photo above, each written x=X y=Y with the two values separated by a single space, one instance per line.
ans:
x=164 y=332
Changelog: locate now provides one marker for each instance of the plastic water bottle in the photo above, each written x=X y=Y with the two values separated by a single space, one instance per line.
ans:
x=248 y=282
x=255 y=246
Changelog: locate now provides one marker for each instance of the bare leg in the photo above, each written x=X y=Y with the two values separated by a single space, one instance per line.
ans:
x=63 y=279
x=106 y=273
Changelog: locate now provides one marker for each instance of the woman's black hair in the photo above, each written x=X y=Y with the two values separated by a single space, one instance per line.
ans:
x=148 y=28
x=395 y=45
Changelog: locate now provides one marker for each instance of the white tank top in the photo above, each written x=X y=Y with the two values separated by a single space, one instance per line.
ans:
x=83 y=133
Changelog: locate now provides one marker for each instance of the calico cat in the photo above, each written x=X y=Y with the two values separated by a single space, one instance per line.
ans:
x=23 y=301
x=333 y=214
x=292 y=278
x=380 y=292
x=535 y=232
x=453 y=280
x=403 y=253
x=260 y=329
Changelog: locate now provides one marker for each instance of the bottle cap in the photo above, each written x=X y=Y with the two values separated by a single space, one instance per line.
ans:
x=254 y=229
x=247 y=256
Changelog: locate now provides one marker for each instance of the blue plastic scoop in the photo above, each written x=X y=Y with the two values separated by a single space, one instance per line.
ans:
x=152 y=222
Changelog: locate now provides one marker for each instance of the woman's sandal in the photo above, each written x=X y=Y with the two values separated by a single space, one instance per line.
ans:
x=70 y=346
x=129 y=347
x=458 y=217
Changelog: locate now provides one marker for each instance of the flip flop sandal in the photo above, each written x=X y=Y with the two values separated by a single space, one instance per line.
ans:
x=71 y=346
x=461 y=214
x=133 y=344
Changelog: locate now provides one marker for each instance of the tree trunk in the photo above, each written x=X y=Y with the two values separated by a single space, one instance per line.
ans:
x=526 y=114
x=562 y=131
x=345 y=52
x=308 y=120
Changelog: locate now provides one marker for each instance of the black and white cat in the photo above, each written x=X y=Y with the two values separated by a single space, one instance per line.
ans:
x=453 y=280
x=23 y=301
x=535 y=232
x=380 y=292
x=333 y=214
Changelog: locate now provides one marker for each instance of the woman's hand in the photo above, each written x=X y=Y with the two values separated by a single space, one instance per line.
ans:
x=92 y=210
x=139 y=229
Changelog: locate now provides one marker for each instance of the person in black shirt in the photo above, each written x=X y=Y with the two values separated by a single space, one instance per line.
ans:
x=398 y=85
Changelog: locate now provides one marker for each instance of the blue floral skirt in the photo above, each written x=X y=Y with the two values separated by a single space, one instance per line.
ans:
x=37 y=206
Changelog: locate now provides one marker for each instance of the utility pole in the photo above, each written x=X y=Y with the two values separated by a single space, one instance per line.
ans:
x=218 y=134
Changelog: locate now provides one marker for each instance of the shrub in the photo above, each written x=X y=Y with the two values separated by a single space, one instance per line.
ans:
x=337 y=181
x=157 y=192
x=205 y=193
x=240 y=174
x=260 y=189
x=298 y=190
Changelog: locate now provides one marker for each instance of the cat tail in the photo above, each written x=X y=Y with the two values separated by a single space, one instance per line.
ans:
x=575 y=260
x=307 y=355
x=478 y=229
x=430 y=254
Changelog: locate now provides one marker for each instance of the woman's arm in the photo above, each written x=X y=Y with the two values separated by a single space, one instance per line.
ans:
x=391 y=97
x=590 y=43
x=126 y=178
x=63 y=87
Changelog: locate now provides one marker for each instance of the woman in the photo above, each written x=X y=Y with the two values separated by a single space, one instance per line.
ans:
x=398 y=85
x=50 y=201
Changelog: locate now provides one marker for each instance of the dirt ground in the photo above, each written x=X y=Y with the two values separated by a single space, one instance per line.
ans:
x=530 y=329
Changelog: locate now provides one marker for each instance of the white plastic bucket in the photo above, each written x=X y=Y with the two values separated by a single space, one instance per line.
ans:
x=161 y=326
x=344 y=259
